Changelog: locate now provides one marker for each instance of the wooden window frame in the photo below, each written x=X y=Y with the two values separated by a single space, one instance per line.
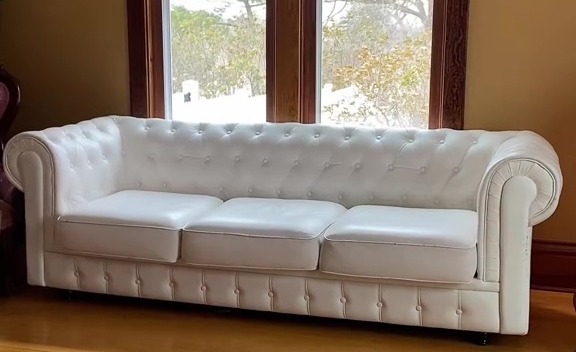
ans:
x=293 y=24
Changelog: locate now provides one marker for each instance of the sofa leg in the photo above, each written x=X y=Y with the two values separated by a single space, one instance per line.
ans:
x=481 y=338
x=70 y=295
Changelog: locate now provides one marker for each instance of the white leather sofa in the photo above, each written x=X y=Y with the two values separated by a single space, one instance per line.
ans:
x=417 y=227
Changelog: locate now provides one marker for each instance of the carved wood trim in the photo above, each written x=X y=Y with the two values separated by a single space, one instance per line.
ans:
x=308 y=61
x=146 y=58
x=449 y=52
x=271 y=26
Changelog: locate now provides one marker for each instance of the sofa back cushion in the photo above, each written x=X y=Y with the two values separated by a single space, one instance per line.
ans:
x=346 y=165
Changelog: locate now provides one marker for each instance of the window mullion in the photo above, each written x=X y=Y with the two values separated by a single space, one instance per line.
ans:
x=284 y=98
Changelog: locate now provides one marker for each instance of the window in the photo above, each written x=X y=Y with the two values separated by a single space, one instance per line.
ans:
x=373 y=62
x=375 y=67
x=218 y=60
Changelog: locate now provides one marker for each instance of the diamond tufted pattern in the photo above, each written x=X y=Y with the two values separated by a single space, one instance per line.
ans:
x=350 y=166
x=397 y=167
x=408 y=305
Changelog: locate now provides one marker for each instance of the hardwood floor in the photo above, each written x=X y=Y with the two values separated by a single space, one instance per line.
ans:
x=43 y=320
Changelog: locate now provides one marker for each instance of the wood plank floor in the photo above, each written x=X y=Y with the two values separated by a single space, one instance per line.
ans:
x=43 y=320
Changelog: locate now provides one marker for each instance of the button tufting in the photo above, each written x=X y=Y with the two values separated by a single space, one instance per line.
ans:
x=221 y=189
x=422 y=169
x=207 y=158
x=390 y=167
x=296 y=163
x=458 y=311
x=250 y=190
x=278 y=192
x=146 y=128
x=258 y=133
x=326 y=165
x=378 y=137
x=419 y=308
x=270 y=294
x=404 y=197
x=436 y=201
x=357 y=166
x=306 y=298
x=228 y=132
x=106 y=277
x=265 y=161
x=441 y=141
x=309 y=194
x=203 y=288
x=371 y=197
x=138 y=281
x=475 y=142
x=343 y=300
x=347 y=137
x=237 y=158
x=152 y=156
x=77 y=274
x=340 y=197
x=173 y=130
x=165 y=185
x=286 y=134
x=410 y=141
x=317 y=135
x=200 y=131
x=236 y=291
x=379 y=305
x=456 y=170
x=172 y=284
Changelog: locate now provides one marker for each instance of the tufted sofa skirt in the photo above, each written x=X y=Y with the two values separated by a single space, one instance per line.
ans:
x=451 y=308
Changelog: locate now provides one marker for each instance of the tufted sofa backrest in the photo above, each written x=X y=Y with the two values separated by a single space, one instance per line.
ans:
x=346 y=165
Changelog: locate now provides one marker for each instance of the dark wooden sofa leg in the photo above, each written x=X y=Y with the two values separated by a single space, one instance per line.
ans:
x=481 y=338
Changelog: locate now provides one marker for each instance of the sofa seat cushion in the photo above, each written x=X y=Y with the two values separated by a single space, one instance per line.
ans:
x=132 y=224
x=403 y=243
x=260 y=233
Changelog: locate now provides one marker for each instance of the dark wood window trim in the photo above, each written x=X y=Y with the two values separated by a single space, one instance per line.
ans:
x=449 y=52
x=309 y=61
x=146 y=58
x=292 y=35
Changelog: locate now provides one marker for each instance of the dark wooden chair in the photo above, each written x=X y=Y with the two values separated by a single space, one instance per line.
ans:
x=11 y=200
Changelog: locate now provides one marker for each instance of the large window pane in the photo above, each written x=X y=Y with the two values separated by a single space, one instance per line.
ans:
x=376 y=57
x=218 y=60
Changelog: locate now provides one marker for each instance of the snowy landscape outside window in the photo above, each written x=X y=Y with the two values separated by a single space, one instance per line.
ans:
x=375 y=61
x=398 y=63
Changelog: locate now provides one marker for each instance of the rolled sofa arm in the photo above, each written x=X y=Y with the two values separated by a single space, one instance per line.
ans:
x=521 y=188
x=57 y=169
x=530 y=155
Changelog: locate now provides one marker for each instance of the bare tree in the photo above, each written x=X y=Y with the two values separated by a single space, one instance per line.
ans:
x=421 y=9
